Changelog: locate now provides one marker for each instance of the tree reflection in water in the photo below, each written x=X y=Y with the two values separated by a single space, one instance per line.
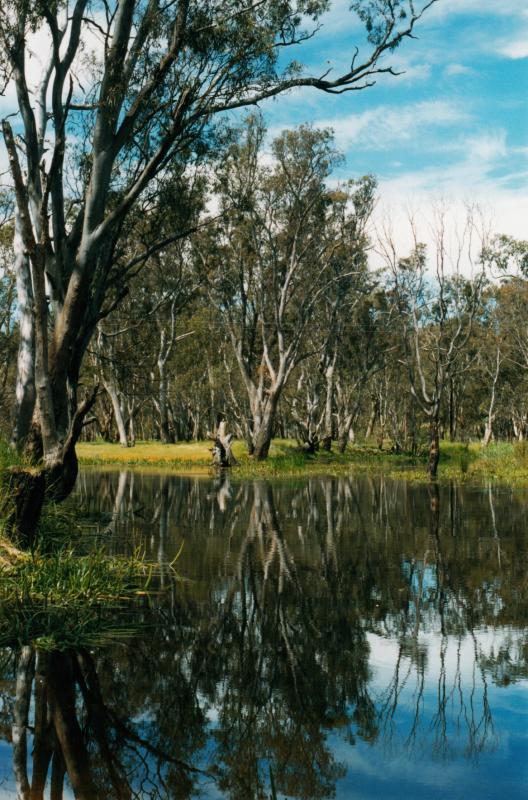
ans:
x=365 y=610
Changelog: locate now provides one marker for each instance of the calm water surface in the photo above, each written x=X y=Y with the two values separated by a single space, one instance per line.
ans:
x=330 y=637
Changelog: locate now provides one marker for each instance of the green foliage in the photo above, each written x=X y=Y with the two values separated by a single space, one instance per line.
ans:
x=380 y=16
x=506 y=253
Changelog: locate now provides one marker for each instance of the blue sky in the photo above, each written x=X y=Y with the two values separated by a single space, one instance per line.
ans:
x=451 y=130
x=454 y=127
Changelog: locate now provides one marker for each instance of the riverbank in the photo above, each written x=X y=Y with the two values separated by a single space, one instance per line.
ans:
x=503 y=462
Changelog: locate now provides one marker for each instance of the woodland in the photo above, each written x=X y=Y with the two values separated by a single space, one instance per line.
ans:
x=172 y=272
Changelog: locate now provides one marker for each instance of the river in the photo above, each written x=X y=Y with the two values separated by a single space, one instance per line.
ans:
x=347 y=637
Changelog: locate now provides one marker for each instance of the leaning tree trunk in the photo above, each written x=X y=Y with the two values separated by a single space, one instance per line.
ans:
x=118 y=412
x=488 y=433
x=343 y=433
x=372 y=419
x=342 y=443
x=434 y=447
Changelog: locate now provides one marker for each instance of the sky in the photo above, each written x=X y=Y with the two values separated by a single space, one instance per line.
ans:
x=453 y=129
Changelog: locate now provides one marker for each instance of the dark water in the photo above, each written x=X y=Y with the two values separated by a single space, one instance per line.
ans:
x=349 y=638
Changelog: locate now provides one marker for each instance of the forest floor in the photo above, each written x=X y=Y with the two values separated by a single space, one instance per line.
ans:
x=504 y=462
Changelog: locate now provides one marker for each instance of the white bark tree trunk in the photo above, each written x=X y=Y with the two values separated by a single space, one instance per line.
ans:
x=328 y=426
x=118 y=412
x=25 y=380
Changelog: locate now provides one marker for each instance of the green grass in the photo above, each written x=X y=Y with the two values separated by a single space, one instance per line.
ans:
x=285 y=457
x=504 y=462
x=66 y=591
x=63 y=599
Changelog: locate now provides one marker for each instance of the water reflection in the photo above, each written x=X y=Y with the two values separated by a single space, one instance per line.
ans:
x=80 y=733
x=341 y=635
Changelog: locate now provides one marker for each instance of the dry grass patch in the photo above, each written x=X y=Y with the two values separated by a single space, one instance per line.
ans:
x=145 y=453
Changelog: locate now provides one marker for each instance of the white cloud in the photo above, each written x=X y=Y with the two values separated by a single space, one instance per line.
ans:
x=503 y=8
x=486 y=146
x=458 y=69
x=465 y=184
x=386 y=126
x=412 y=72
x=516 y=49
x=339 y=18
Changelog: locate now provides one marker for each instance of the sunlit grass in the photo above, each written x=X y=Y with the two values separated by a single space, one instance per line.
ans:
x=183 y=453
x=502 y=461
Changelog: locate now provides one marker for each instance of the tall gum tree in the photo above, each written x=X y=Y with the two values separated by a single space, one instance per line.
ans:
x=437 y=306
x=131 y=89
x=283 y=243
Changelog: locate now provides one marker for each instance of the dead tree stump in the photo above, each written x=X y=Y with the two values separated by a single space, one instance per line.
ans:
x=222 y=443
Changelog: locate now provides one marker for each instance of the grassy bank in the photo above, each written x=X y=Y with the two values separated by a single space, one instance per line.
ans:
x=65 y=591
x=502 y=462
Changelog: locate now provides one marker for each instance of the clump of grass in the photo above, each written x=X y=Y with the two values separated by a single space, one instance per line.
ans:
x=520 y=451
x=9 y=457
x=181 y=455
x=465 y=459
x=64 y=592
x=63 y=600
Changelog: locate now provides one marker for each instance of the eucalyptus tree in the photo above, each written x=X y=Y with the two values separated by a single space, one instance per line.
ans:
x=8 y=345
x=367 y=345
x=354 y=202
x=122 y=109
x=281 y=255
x=505 y=358
x=330 y=335
x=437 y=311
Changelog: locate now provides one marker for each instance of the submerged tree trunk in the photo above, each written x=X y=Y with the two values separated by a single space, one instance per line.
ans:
x=63 y=714
x=25 y=491
x=24 y=682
